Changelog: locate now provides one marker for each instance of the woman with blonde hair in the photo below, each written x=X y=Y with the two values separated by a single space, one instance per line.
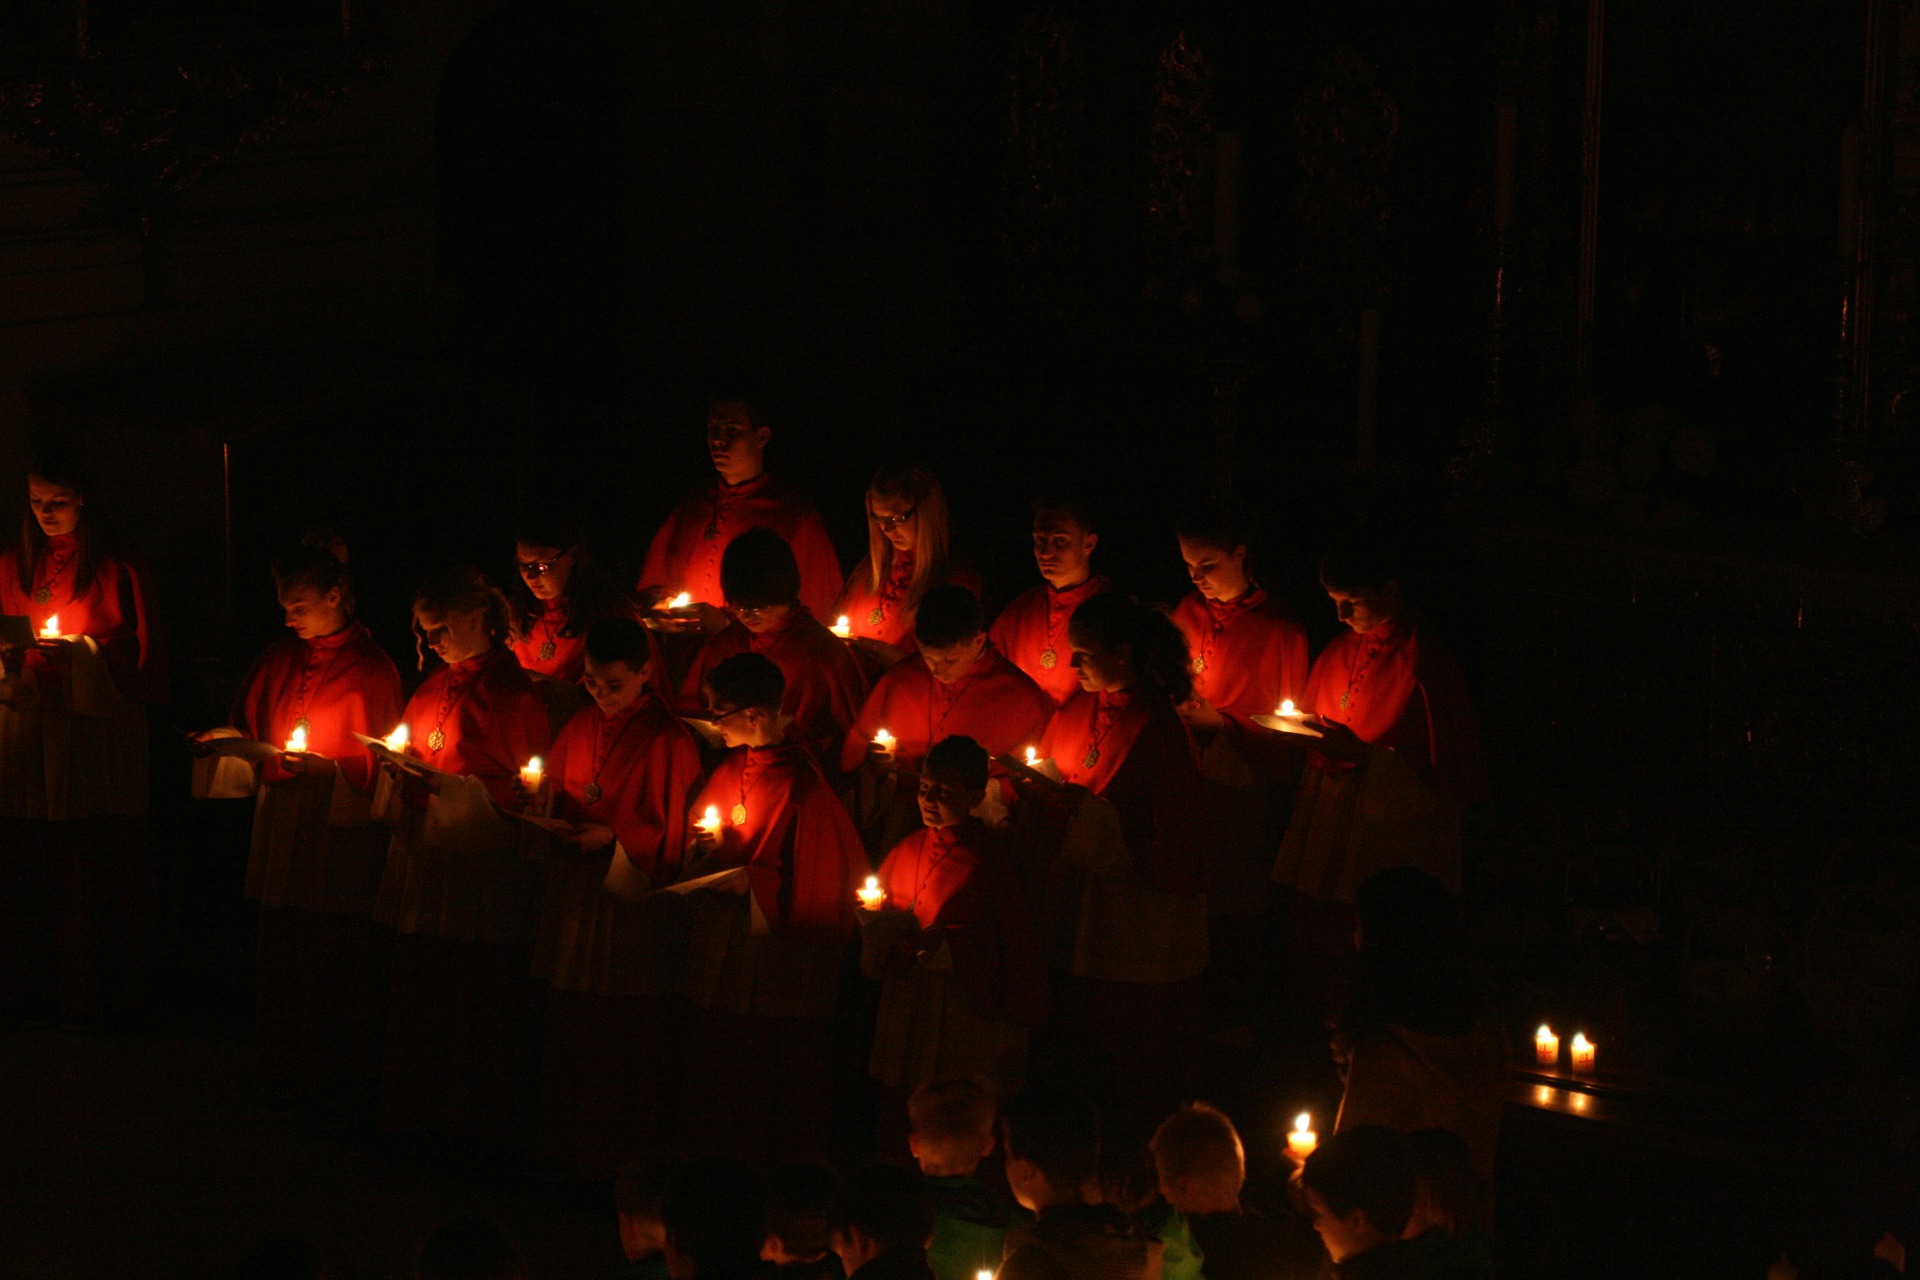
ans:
x=909 y=552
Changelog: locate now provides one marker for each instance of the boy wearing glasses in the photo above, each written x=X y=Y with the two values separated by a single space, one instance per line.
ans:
x=764 y=941
x=952 y=944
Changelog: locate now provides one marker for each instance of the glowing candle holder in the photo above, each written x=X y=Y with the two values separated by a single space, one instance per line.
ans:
x=1033 y=757
x=532 y=773
x=843 y=627
x=1546 y=1046
x=398 y=739
x=983 y=1274
x=680 y=602
x=51 y=629
x=297 y=740
x=872 y=895
x=1583 y=1054
x=884 y=741
x=710 y=821
x=1302 y=1141
x=1287 y=710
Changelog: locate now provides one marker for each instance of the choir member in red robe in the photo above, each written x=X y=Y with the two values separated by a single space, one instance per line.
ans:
x=1032 y=630
x=957 y=683
x=909 y=552
x=557 y=593
x=764 y=949
x=1247 y=654
x=463 y=1007
x=824 y=684
x=1386 y=786
x=75 y=875
x=685 y=554
x=1125 y=896
x=954 y=947
x=621 y=774
x=317 y=853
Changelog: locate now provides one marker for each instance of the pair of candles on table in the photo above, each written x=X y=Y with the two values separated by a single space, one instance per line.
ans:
x=1546 y=1050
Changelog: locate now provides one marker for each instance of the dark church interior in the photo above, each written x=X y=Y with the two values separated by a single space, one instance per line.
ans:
x=1580 y=331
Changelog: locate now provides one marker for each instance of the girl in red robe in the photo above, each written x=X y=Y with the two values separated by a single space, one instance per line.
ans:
x=764 y=947
x=1125 y=895
x=961 y=974
x=556 y=594
x=75 y=877
x=622 y=772
x=317 y=853
x=1247 y=654
x=909 y=550
x=1032 y=630
x=463 y=1009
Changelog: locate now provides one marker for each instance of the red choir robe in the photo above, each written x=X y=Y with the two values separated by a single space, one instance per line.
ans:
x=1247 y=654
x=609 y=957
x=685 y=553
x=1034 y=625
x=957 y=999
x=546 y=653
x=461 y=1054
x=884 y=615
x=763 y=968
x=316 y=858
x=994 y=703
x=825 y=686
x=115 y=612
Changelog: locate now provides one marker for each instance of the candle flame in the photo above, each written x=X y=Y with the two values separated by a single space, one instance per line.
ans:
x=1286 y=707
x=1580 y=1042
x=1303 y=1123
x=51 y=631
x=533 y=770
x=680 y=601
x=883 y=739
x=843 y=627
x=873 y=884
x=1544 y=1033
x=398 y=739
x=710 y=820
x=1032 y=757
x=297 y=740
x=983 y=1274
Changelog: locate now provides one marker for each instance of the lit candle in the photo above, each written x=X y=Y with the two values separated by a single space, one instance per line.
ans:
x=1033 y=757
x=1303 y=1139
x=1546 y=1046
x=398 y=739
x=297 y=740
x=1287 y=710
x=681 y=601
x=51 y=631
x=872 y=895
x=710 y=821
x=884 y=741
x=1582 y=1054
x=531 y=773
x=983 y=1274
x=844 y=627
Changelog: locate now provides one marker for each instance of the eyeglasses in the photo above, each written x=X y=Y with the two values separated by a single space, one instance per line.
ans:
x=540 y=568
x=756 y=613
x=717 y=716
x=893 y=522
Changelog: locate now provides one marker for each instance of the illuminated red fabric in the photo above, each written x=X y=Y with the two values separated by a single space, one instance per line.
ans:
x=1148 y=770
x=350 y=686
x=958 y=882
x=859 y=601
x=494 y=723
x=825 y=686
x=1252 y=654
x=803 y=857
x=1404 y=691
x=115 y=611
x=647 y=767
x=683 y=557
x=1036 y=621
x=569 y=661
x=993 y=703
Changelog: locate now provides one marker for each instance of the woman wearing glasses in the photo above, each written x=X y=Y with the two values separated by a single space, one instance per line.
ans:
x=556 y=594
x=909 y=551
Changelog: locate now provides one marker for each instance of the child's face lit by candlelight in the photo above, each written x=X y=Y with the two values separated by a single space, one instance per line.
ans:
x=614 y=686
x=1062 y=549
x=310 y=613
x=1363 y=610
x=1220 y=573
x=454 y=637
x=1101 y=670
x=945 y=800
x=897 y=517
x=545 y=570
x=55 y=506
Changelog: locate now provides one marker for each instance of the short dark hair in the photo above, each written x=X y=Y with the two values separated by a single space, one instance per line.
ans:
x=619 y=639
x=640 y=1186
x=1159 y=650
x=1443 y=1165
x=889 y=1205
x=798 y=1196
x=318 y=568
x=952 y=1112
x=1361 y=561
x=948 y=616
x=758 y=570
x=716 y=1214
x=1368 y=1167
x=470 y=1247
x=1222 y=521
x=1058 y=1132
x=747 y=680
x=1077 y=507
x=958 y=756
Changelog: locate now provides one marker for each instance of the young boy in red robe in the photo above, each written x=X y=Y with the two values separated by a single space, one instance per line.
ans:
x=317 y=852
x=622 y=772
x=1387 y=783
x=1032 y=630
x=463 y=1008
x=1123 y=894
x=957 y=684
x=764 y=950
x=823 y=683
x=953 y=945
x=685 y=554
x=557 y=594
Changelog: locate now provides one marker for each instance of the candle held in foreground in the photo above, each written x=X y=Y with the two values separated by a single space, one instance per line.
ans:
x=1033 y=757
x=1302 y=1141
x=51 y=631
x=710 y=820
x=872 y=895
x=531 y=774
x=681 y=601
x=398 y=739
x=843 y=627
x=297 y=740
x=983 y=1275
x=1287 y=709
x=884 y=740
x=1583 y=1053
x=1546 y=1046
